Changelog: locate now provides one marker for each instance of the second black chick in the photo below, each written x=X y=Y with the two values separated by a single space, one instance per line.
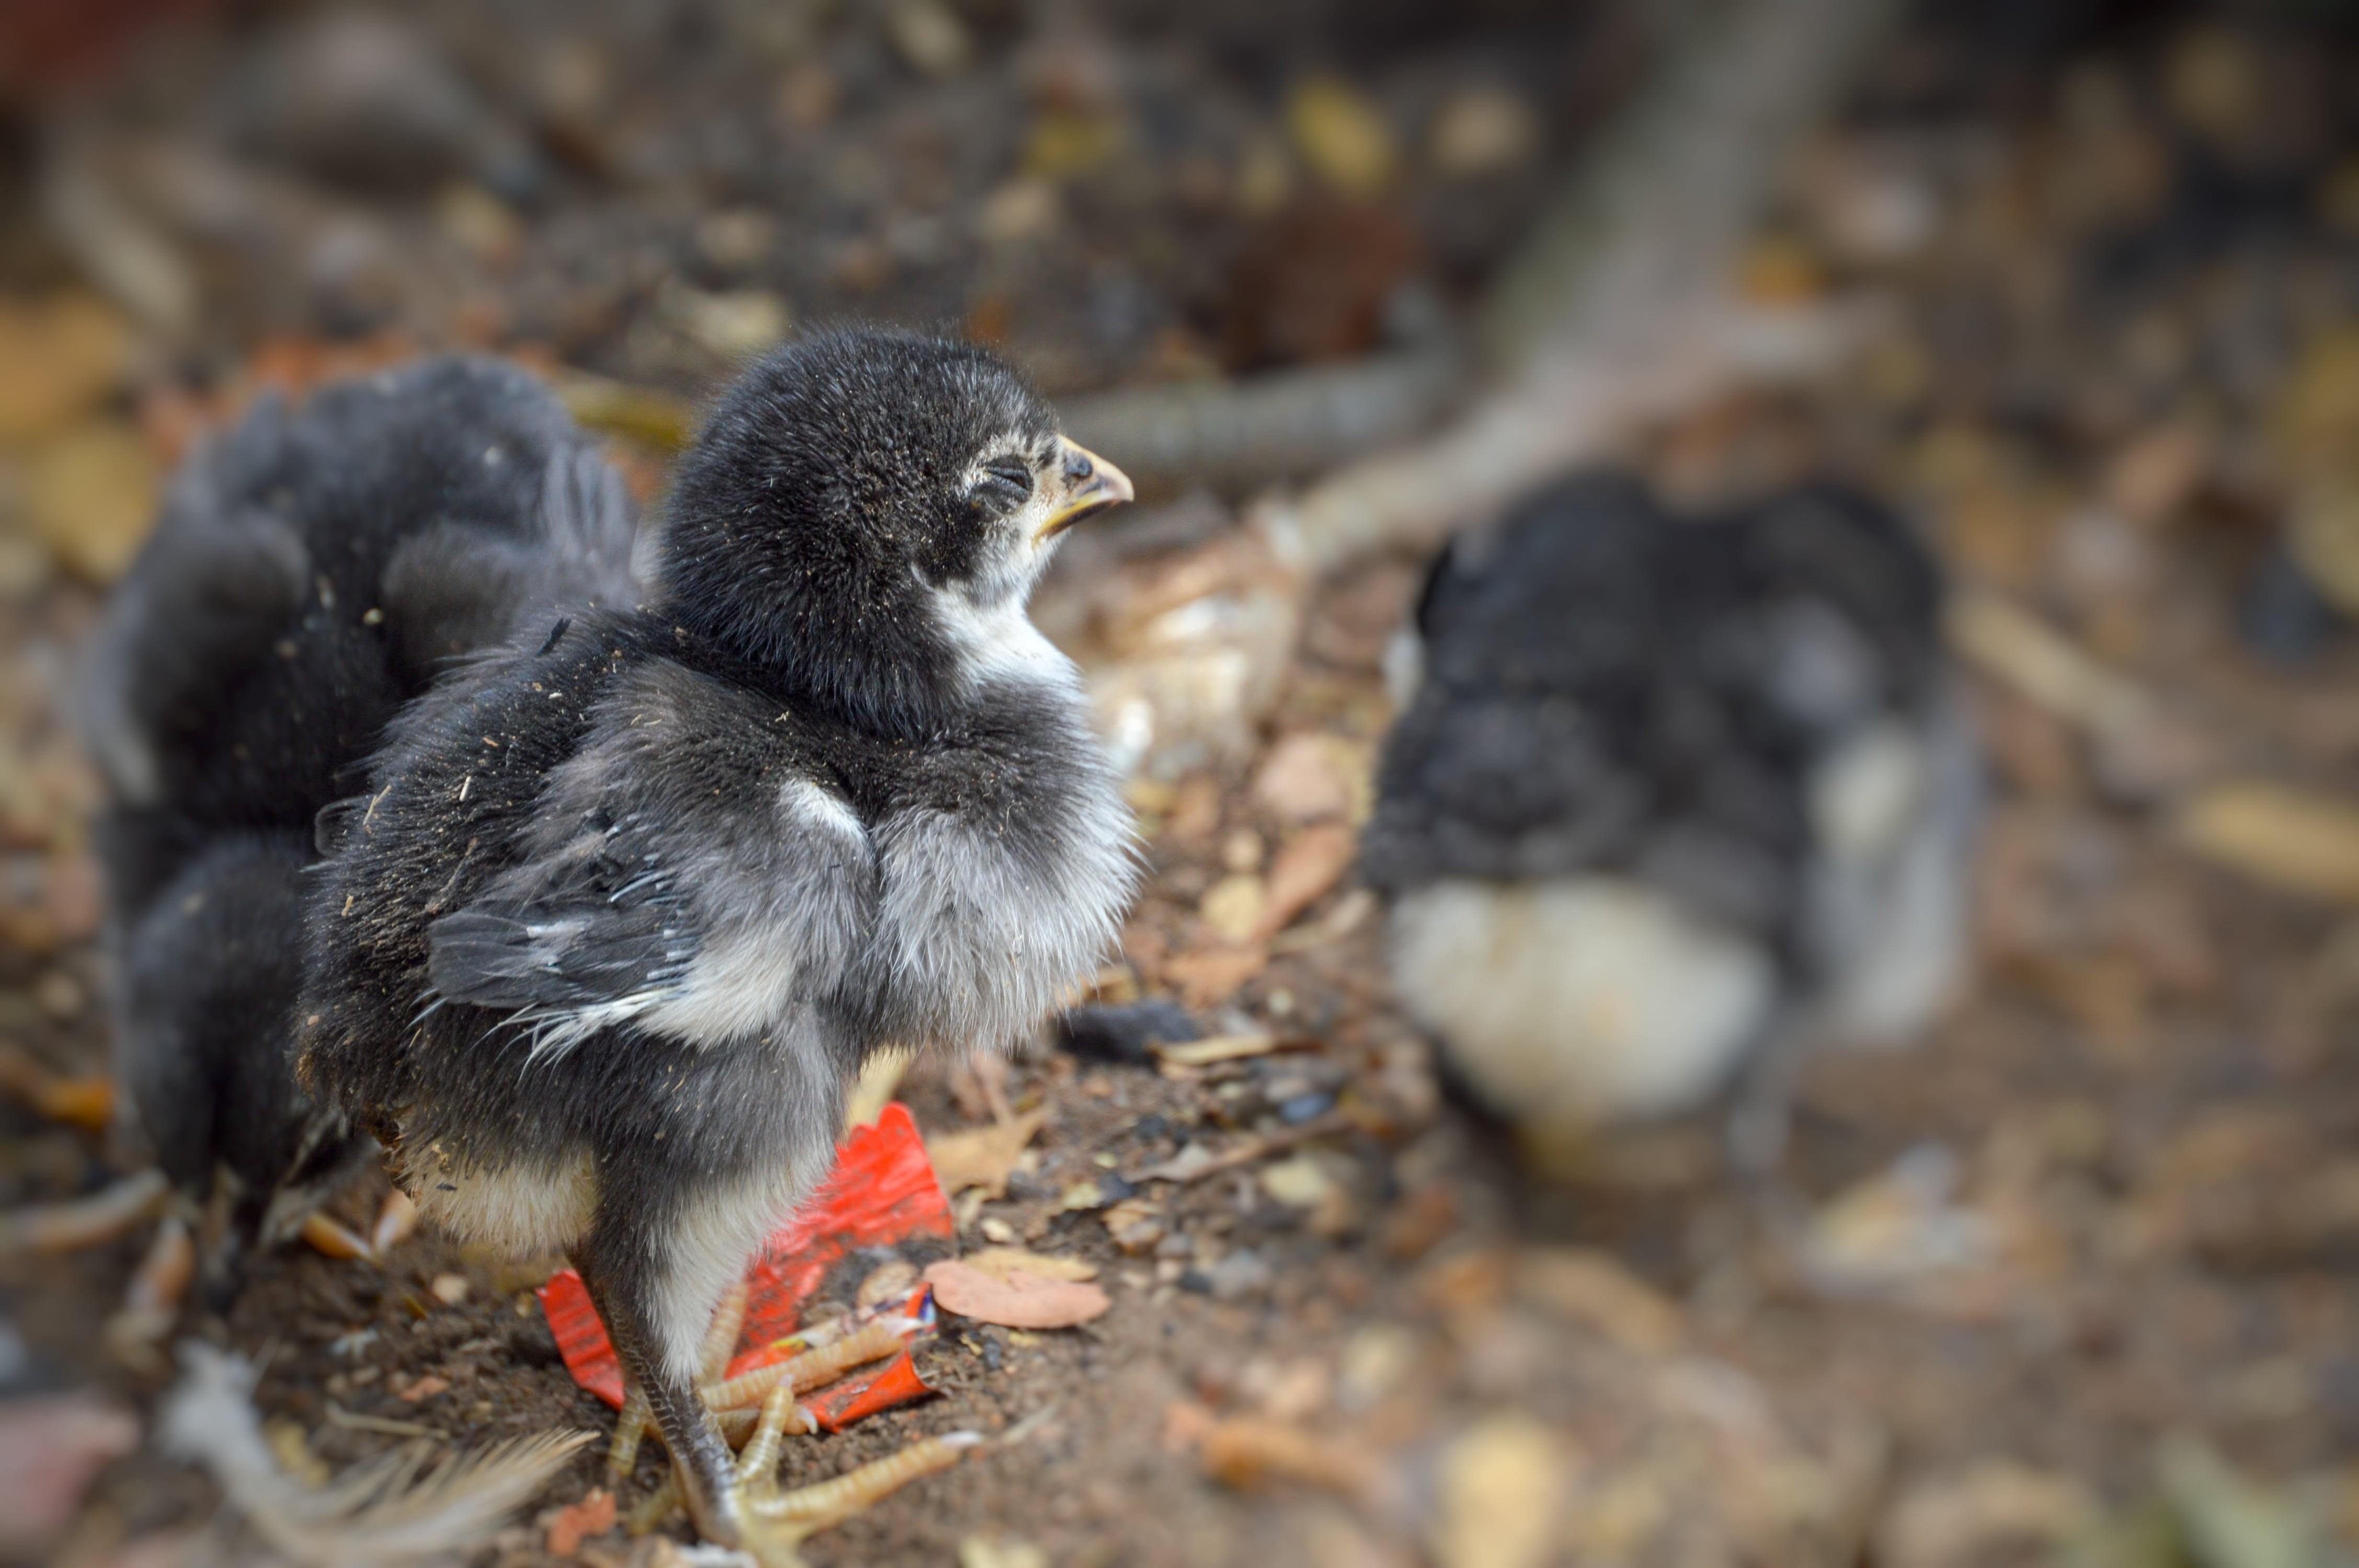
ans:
x=1671 y=796
x=624 y=914
x=312 y=570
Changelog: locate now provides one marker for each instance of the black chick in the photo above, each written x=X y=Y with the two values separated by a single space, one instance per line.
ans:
x=622 y=915
x=1670 y=796
x=311 y=571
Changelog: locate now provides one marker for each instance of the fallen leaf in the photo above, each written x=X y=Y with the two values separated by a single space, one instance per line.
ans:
x=983 y=1156
x=1312 y=862
x=1017 y=1300
x=1000 y=1263
x=577 y=1522
x=1210 y=975
x=2293 y=839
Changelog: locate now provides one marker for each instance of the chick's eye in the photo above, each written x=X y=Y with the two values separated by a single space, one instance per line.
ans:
x=1005 y=484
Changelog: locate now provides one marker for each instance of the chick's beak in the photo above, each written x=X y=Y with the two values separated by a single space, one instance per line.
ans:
x=1092 y=484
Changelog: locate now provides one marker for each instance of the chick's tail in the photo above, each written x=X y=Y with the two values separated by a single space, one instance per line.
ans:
x=390 y=1510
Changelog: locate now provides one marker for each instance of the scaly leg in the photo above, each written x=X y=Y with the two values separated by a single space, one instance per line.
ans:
x=706 y=1470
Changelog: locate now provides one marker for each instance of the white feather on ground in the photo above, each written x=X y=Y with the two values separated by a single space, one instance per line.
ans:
x=390 y=1510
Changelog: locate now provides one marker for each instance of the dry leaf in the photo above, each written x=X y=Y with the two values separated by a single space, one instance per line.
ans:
x=1017 y=1300
x=999 y=1262
x=1210 y=975
x=1312 y=862
x=983 y=1156
x=2292 y=840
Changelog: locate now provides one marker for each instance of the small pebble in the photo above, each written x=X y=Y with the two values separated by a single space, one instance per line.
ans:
x=449 y=1289
x=1305 y=1108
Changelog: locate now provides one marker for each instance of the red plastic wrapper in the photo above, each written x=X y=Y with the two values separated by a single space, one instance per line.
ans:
x=881 y=1194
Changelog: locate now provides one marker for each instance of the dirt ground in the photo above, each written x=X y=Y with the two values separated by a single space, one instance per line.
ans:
x=2071 y=1282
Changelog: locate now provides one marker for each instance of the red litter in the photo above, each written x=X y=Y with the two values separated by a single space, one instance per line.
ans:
x=881 y=1194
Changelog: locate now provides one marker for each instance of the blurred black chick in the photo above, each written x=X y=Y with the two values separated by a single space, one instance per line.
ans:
x=311 y=572
x=1670 y=797
x=619 y=916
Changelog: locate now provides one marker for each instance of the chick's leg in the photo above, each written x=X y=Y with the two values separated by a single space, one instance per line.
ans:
x=625 y=1283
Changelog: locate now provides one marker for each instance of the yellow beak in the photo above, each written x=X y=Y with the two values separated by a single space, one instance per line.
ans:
x=1092 y=484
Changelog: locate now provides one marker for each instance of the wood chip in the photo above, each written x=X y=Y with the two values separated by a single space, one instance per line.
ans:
x=1019 y=1300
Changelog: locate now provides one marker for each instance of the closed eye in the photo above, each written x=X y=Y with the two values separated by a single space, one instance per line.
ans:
x=1006 y=482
